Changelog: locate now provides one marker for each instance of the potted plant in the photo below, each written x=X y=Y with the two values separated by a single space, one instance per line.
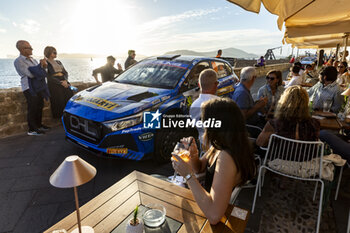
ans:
x=134 y=225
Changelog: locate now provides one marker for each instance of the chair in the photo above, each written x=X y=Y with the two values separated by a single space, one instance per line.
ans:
x=295 y=159
x=339 y=181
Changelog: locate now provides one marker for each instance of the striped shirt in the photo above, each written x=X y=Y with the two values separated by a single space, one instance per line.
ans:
x=22 y=64
x=319 y=93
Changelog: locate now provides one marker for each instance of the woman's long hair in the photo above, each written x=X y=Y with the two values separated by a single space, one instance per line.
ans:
x=232 y=136
x=293 y=104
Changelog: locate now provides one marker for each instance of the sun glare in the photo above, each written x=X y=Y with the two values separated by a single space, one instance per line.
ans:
x=104 y=26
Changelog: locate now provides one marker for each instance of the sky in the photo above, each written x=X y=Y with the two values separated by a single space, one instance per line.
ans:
x=147 y=26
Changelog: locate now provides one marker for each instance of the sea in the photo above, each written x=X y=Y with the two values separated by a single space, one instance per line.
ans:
x=79 y=70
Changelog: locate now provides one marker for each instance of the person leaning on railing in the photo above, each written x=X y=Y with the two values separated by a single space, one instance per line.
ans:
x=228 y=163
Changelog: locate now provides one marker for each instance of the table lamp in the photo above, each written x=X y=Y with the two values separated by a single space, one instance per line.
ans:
x=73 y=172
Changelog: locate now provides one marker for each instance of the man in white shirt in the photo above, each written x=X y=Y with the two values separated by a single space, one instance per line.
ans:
x=208 y=83
x=35 y=102
x=296 y=78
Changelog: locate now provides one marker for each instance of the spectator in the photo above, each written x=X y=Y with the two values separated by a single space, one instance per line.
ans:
x=273 y=89
x=296 y=78
x=35 y=98
x=208 y=83
x=326 y=89
x=301 y=67
x=310 y=75
x=131 y=59
x=261 y=62
x=228 y=163
x=57 y=81
x=337 y=144
x=292 y=118
x=218 y=55
x=292 y=60
x=107 y=71
x=244 y=99
x=343 y=78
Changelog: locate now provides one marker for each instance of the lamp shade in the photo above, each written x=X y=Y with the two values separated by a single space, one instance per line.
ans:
x=72 y=172
x=346 y=92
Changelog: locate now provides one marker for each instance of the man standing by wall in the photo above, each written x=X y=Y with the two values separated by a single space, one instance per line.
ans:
x=131 y=59
x=107 y=71
x=35 y=101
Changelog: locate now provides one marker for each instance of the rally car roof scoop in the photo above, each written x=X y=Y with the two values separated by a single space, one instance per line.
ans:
x=168 y=57
x=142 y=96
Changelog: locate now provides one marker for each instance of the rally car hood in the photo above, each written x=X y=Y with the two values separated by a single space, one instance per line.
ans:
x=113 y=100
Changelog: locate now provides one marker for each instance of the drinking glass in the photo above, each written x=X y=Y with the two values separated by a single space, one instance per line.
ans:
x=154 y=215
x=327 y=104
x=181 y=151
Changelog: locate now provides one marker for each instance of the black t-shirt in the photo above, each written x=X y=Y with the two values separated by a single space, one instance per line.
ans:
x=107 y=72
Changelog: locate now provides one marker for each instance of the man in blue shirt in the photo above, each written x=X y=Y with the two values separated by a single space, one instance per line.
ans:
x=35 y=101
x=327 y=89
x=244 y=99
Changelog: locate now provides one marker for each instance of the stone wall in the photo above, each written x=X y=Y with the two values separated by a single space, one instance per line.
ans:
x=262 y=71
x=13 y=111
x=13 y=107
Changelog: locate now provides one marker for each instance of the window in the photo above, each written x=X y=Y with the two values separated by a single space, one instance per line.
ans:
x=192 y=79
x=220 y=68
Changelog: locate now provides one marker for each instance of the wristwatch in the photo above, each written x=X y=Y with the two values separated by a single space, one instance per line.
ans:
x=188 y=177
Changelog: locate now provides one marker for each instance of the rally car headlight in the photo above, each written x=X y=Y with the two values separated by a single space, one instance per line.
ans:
x=127 y=122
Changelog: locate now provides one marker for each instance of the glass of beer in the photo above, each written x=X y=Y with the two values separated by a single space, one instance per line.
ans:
x=181 y=151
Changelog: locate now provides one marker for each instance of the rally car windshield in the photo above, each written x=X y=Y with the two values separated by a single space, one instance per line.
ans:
x=153 y=74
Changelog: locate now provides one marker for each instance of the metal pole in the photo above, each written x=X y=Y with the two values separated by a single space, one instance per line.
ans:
x=345 y=45
x=77 y=207
x=336 y=52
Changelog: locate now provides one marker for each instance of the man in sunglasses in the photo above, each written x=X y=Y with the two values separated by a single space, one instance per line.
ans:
x=35 y=101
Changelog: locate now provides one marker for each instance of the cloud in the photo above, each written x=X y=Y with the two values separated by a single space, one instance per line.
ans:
x=251 y=40
x=2 y=30
x=3 y=18
x=165 y=22
x=30 y=26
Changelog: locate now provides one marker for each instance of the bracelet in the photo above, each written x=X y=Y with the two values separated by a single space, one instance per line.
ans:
x=188 y=177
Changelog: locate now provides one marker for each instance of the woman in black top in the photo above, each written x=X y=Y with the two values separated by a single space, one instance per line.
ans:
x=57 y=80
x=229 y=162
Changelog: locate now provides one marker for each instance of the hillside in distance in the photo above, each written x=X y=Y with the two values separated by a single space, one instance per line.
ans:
x=228 y=52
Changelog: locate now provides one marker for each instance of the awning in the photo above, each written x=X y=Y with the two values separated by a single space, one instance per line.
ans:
x=320 y=41
x=319 y=18
x=282 y=8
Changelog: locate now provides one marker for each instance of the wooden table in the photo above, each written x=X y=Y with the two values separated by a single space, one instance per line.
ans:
x=332 y=123
x=106 y=211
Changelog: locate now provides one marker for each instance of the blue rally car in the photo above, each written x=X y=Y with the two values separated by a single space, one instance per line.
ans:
x=110 y=119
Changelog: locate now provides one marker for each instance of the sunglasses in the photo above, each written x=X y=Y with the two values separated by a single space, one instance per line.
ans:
x=340 y=66
x=271 y=78
x=54 y=52
x=28 y=48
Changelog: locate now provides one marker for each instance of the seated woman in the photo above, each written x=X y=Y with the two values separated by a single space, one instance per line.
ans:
x=273 y=89
x=57 y=80
x=228 y=163
x=292 y=118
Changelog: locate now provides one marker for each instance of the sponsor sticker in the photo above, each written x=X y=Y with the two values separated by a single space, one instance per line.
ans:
x=146 y=136
x=102 y=103
x=225 y=90
x=117 y=150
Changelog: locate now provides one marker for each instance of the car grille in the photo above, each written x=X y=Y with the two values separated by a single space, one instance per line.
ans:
x=85 y=129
